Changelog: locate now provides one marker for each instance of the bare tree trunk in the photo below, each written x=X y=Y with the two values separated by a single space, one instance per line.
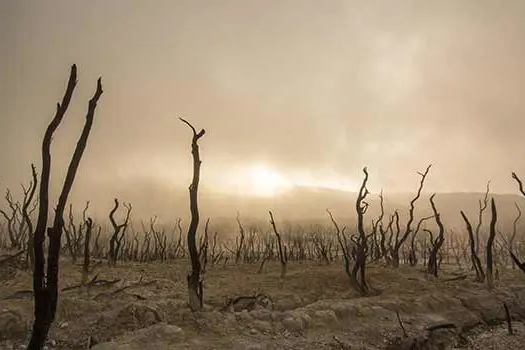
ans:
x=490 y=242
x=521 y=265
x=433 y=265
x=399 y=241
x=514 y=232
x=412 y=256
x=482 y=207
x=240 y=245
x=283 y=257
x=27 y=219
x=358 y=276
x=356 y=272
x=195 y=288
x=46 y=285
x=115 y=242
x=85 y=265
x=480 y=275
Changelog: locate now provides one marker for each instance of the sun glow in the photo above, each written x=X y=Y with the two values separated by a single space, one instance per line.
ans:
x=265 y=181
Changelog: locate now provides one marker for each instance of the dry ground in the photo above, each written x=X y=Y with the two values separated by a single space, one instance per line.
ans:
x=314 y=309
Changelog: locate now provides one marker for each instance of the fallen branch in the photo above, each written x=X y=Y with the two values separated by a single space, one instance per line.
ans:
x=509 y=319
x=122 y=289
x=246 y=302
x=405 y=334
x=457 y=278
x=94 y=282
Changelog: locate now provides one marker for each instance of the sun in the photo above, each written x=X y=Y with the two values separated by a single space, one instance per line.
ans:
x=265 y=181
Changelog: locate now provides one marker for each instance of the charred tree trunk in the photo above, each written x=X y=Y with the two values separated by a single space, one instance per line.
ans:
x=195 y=288
x=514 y=232
x=483 y=204
x=490 y=242
x=480 y=275
x=85 y=265
x=27 y=219
x=11 y=219
x=358 y=253
x=283 y=257
x=521 y=265
x=358 y=277
x=115 y=242
x=412 y=256
x=399 y=241
x=240 y=245
x=433 y=264
x=46 y=285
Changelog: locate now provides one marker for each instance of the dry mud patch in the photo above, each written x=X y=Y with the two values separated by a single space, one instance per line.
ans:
x=314 y=309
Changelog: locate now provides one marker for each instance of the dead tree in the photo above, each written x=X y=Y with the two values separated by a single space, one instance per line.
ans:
x=358 y=278
x=283 y=257
x=480 y=274
x=74 y=236
x=115 y=242
x=520 y=184
x=399 y=241
x=483 y=204
x=356 y=252
x=85 y=265
x=514 y=232
x=45 y=285
x=412 y=256
x=179 y=241
x=15 y=236
x=490 y=242
x=240 y=239
x=160 y=240
x=204 y=247
x=26 y=213
x=343 y=243
x=379 y=242
x=436 y=243
x=195 y=287
x=385 y=244
x=515 y=259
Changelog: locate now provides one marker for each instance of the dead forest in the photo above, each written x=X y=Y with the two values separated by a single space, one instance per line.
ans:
x=62 y=253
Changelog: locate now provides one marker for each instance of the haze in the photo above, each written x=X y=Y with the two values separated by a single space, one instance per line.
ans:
x=291 y=93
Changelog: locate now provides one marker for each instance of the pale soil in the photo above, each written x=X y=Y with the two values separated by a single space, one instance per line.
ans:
x=314 y=309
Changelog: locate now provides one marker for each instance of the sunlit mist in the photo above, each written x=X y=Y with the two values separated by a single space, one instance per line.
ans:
x=260 y=180
x=293 y=94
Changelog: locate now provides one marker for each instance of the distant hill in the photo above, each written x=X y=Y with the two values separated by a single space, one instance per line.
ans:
x=300 y=204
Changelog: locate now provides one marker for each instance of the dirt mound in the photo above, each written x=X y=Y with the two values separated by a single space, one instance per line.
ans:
x=152 y=337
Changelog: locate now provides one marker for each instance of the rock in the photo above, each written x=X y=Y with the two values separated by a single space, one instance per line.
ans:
x=344 y=310
x=245 y=345
x=136 y=315
x=293 y=324
x=303 y=316
x=262 y=326
x=244 y=316
x=261 y=314
x=111 y=346
x=157 y=336
x=326 y=316
x=11 y=324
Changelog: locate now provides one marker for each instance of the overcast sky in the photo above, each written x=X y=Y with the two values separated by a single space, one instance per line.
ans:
x=311 y=89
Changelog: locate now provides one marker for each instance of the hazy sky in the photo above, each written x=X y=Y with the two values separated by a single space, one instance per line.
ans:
x=289 y=92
